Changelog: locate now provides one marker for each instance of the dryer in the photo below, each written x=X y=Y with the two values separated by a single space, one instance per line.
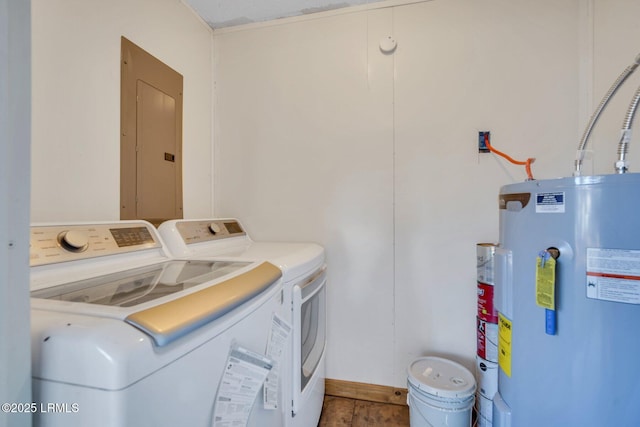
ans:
x=304 y=292
x=123 y=335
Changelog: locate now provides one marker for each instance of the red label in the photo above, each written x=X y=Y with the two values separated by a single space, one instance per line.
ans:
x=486 y=309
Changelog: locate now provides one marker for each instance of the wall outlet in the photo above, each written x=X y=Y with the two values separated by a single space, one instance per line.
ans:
x=482 y=137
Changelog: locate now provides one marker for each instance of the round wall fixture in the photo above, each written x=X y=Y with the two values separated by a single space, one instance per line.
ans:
x=388 y=44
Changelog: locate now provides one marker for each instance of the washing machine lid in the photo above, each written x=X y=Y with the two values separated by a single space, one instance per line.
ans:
x=136 y=286
x=165 y=300
x=176 y=318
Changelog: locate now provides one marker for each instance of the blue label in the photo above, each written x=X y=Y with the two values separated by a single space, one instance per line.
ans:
x=550 y=202
x=550 y=198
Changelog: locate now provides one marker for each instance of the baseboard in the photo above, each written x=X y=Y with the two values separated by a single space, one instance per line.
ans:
x=364 y=391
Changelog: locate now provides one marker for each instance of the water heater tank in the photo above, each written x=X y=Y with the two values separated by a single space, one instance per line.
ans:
x=587 y=371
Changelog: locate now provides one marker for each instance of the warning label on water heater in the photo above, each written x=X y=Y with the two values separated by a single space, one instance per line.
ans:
x=504 y=344
x=613 y=275
x=550 y=202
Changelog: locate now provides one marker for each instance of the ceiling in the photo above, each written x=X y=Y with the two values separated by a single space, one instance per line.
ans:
x=227 y=13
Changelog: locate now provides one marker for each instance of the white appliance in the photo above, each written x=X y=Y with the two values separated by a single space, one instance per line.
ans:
x=304 y=277
x=122 y=335
x=575 y=365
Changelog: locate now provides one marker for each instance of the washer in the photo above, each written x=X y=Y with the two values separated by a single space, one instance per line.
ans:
x=124 y=335
x=304 y=276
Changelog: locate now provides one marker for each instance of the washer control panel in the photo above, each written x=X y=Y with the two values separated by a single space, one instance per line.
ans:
x=204 y=231
x=60 y=243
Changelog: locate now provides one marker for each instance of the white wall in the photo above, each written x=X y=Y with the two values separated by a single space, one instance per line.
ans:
x=615 y=44
x=76 y=101
x=304 y=124
x=461 y=67
x=319 y=136
x=15 y=105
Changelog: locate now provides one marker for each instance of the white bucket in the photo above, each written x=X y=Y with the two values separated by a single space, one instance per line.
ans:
x=441 y=393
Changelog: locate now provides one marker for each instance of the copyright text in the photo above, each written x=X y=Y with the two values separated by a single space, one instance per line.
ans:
x=41 y=407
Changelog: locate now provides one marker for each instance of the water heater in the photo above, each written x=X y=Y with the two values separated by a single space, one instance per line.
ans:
x=578 y=362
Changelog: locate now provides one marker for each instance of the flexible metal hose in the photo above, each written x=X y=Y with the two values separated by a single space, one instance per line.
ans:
x=625 y=134
x=596 y=115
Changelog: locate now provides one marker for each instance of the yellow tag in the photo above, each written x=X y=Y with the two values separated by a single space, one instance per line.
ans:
x=546 y=283
x=504 y=344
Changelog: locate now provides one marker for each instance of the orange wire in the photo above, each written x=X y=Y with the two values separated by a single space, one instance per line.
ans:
x=526 y=163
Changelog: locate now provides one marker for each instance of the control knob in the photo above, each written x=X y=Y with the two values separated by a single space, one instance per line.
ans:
x=214 y=228
x=74 y=240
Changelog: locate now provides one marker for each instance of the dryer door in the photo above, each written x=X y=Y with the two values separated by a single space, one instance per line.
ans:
x=309 y=317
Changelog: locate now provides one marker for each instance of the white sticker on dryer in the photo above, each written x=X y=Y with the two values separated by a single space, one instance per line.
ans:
x=276 y=346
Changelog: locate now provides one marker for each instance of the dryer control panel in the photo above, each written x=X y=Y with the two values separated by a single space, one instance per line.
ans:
x=60 y=243
x=204 y=231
